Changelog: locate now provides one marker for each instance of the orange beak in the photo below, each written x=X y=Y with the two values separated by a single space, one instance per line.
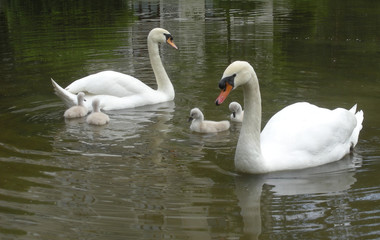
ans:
x=171 y=43
x=223 y=95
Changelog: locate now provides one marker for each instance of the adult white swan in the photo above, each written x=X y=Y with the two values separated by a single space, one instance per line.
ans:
x=299 y=136
x=117 y=90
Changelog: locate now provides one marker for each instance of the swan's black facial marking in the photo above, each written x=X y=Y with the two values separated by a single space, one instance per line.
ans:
x=169 y=40
x=226 y=84
x=230 y=80
x=168 y=36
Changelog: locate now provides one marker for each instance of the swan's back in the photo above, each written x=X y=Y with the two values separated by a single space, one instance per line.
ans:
x=207 y=126
x=109 y=83
x=304 y=135
x=97 y=118
x=75 y=112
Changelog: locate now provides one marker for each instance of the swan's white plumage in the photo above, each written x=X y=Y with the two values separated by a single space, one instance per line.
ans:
x=237 y=112
x=117 y=90
x=299 y=136
x=198 y=124
x=109 y=83
x=77 y=111
x=97 y=117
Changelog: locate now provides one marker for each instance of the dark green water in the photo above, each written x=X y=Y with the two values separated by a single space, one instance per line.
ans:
x=145 y=175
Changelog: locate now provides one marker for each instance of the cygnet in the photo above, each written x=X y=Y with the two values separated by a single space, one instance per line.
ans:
x=97 y=117
x=198 y=123
x=77 y=111
x=237 y=112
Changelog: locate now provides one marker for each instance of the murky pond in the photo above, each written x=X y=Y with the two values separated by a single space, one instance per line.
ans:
x=145 y=175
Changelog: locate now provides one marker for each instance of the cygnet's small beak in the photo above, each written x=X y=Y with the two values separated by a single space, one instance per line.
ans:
x=190 y=119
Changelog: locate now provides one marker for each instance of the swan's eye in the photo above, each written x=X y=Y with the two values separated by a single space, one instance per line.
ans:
x=168 y=36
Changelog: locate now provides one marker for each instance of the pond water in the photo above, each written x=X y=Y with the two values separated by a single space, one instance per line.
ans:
x=145 y=175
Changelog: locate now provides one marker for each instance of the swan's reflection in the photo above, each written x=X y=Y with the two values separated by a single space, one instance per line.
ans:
x=332 y=178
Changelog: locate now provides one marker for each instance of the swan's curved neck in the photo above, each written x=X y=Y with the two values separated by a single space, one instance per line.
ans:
x=163 y=81
x=248 y=156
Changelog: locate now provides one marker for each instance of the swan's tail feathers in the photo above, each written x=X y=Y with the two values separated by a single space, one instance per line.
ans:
x=359 y=125
x=353 y=109
x=69 y=99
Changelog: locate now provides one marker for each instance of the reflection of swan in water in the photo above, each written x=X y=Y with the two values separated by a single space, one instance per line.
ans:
x=331 y=178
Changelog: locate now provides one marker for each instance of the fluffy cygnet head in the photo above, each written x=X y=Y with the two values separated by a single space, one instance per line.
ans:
x=235 y=108
x=196 y=114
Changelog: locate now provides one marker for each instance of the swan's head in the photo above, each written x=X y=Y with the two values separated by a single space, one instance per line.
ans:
x=236 y=74
x=195 y=113
x=161 y=35
x=234 y=108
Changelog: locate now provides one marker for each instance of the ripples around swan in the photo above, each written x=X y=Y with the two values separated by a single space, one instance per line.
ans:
x=145 y=175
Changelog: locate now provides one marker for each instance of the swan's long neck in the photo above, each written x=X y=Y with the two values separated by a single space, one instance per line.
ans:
x=163 y=81
x=248 y=156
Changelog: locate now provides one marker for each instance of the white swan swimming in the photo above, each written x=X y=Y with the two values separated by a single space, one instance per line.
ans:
x=299 y=136
x=117 y=90
x=97 y=117
x=237 y=112
x=79 y=110
x=198 y=124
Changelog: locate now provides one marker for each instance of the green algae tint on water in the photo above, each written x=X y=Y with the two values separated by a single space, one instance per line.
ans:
x=145 y=175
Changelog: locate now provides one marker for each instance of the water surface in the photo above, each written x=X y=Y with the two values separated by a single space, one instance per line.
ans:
x=145 y=175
